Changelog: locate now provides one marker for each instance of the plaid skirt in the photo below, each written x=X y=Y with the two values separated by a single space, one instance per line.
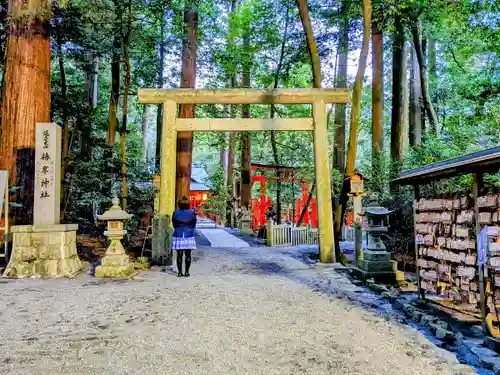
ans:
x=181 y=243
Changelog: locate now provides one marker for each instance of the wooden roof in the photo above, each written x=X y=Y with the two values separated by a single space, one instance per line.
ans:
x=485 y=161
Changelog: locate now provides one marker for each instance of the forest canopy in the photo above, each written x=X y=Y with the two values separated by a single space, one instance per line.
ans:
x=430 y=90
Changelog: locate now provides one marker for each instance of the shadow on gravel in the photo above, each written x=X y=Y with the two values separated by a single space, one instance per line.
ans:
x=266 y=268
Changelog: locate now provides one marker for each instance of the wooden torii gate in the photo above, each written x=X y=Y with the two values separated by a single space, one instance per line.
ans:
x=170 y=98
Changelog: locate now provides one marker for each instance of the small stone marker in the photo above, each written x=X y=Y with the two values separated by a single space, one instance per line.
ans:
x=47 y=175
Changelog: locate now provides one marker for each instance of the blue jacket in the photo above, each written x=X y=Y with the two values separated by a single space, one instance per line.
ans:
x=184 y=222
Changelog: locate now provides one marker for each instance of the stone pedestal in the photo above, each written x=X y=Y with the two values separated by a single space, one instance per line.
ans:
x=246 y=226
x=116 y=263
x=44 y=251
x=377 y=265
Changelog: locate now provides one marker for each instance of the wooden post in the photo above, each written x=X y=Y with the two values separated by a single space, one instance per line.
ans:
x=269 y=232
x=357 y=207
x=167 y=181
x=168 y=156
x=478 y=184
x=323 y=183
x=358 y=241
x=415 y=197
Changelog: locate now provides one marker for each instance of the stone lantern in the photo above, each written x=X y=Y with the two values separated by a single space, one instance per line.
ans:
x=245 y=222
x=115 y=263
x=375 y=261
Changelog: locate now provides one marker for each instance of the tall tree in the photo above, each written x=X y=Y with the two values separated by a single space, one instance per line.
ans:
x=433 y=77
x=188 y=80
x=160 y=84
x=341 y=81
x=353 y=134
x=316 y=74
x=377 y=100
x=415 y=112
x=91 y=80
x=231 y=64
x=274 y=144
x=126 y=90
x=416 y=30
x=145 y=131
x=246 y=140
x=115 y=79
x=311 y=43
x=25 y=101
x=358 y=86
x=65 y=109
x=399 y=58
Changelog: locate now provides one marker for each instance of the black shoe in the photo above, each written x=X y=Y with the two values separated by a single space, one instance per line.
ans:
x=186 y=274
x=180 y=274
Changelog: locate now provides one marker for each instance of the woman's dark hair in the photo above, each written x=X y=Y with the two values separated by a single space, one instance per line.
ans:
x=184 y=203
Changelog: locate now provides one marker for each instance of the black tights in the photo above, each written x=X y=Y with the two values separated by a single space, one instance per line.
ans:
x=187 y=262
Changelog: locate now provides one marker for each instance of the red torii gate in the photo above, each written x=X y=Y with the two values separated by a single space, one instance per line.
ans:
x=262 y=204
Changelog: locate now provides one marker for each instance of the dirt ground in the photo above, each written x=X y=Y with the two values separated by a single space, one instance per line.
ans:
x=240 y=312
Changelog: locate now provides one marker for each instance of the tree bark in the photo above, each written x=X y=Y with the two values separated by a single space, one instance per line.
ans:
x=274 y=145
x=311 y=42
x=341 y=81
x=314 y=56
x=115 y=92
x=415 y=115
x=232 y=140
x=416 y=30
x=398 y=83
x=145 y=131
x=91 y=80
x=433 y=79
x=188 y=80
x=358 y=86
x=377 y=102
x=26 y=96
x=224 y=149
x=355 y=114
x=160 y=83
x=65 y=111
x=246 y=140
x=123 y=130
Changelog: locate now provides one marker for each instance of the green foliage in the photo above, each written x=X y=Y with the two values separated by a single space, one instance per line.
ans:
x=465 y=89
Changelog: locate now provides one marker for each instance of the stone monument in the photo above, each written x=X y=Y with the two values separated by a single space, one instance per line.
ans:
x=46 y=248
x=115 y=263
x=374 y=260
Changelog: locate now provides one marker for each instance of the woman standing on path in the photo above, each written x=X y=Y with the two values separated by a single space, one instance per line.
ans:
x=183 y=238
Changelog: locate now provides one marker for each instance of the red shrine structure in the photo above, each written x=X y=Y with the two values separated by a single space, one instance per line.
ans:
x=263 y=205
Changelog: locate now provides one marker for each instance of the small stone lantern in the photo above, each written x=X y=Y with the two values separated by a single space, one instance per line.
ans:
x=245 y=222
x=375 y=261
x=115 y=263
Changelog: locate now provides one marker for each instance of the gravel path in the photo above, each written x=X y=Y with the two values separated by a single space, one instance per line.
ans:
x=241 y=312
